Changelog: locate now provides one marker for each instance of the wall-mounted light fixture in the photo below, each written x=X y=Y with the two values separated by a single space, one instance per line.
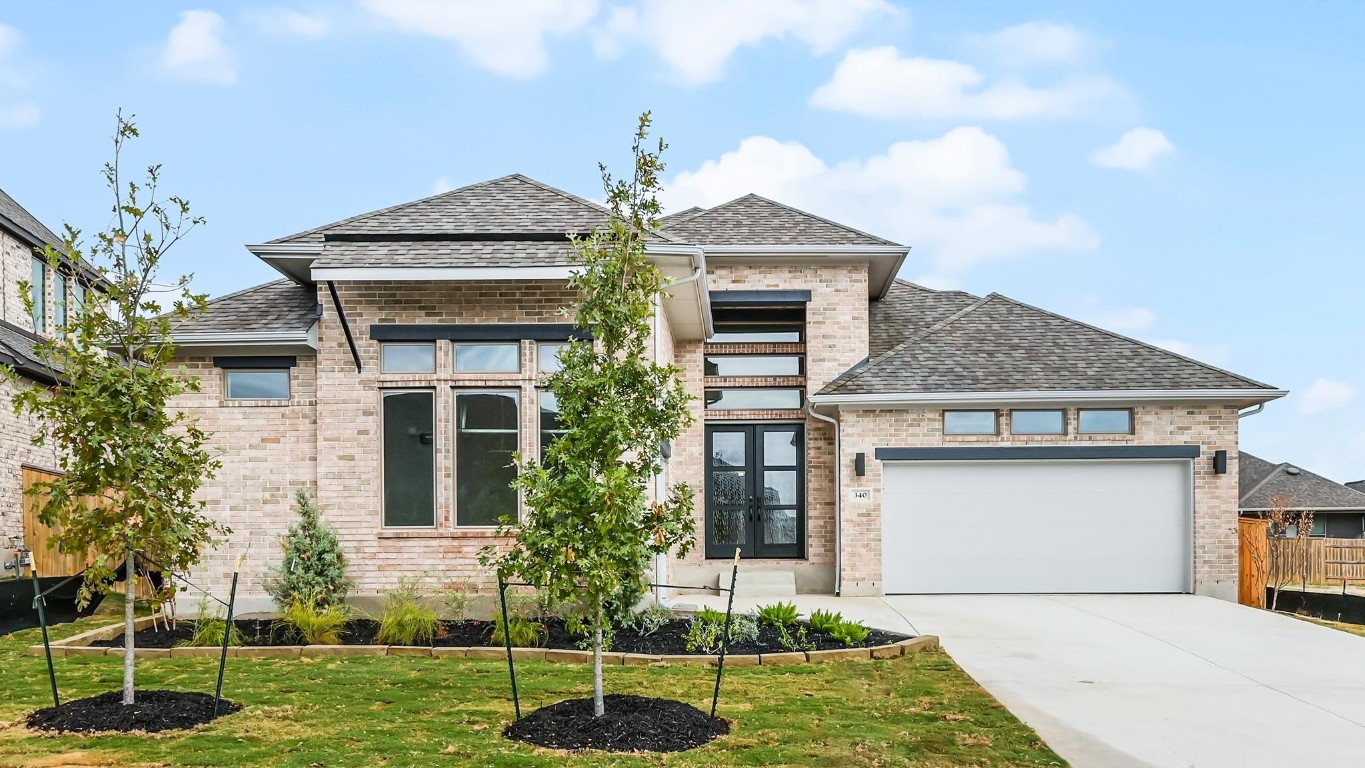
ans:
x=860 y=464
x=1220 y=462
x=666 y=450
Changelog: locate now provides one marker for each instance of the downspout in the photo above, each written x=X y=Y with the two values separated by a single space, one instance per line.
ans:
x=838 y=500
x=660 y=480
x=1243 y=414
x=345 y=326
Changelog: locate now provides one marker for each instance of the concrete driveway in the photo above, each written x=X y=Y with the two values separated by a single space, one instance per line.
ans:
x=1148 y=680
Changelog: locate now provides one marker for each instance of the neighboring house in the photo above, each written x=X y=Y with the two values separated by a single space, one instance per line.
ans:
x=865 y=434
x=21 y=238
x=1338 y=510
x=1357 y=485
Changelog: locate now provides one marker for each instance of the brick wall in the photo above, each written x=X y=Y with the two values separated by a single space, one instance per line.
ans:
x=1211 y=427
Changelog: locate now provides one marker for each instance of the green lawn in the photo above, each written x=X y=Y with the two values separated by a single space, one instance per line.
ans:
x=919 y=711
x=1355 y=629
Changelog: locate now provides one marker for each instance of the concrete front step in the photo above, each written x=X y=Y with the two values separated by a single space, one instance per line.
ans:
x=765 y=583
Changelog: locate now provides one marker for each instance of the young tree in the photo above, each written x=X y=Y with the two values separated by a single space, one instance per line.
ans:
x=117 y=442
x=593 y=528
x=314 y=567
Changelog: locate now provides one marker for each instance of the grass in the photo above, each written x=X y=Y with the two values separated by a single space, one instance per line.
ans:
x=1355 y=629
x=407 y=711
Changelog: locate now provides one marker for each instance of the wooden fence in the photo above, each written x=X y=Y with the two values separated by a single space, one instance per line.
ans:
x=49 y=561
x=1328 y=561
x=1254 y=561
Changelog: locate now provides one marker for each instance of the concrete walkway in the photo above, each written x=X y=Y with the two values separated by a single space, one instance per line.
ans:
x=1120 y=681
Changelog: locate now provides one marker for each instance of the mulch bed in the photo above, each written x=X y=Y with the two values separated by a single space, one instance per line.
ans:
x=630 y=724
x=150 y=712
x=671 y=638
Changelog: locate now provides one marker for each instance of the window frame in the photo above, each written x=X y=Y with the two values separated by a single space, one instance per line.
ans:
x=1132 y=421
x=38 y=291
x=288 y=381
x=799 y=358
x=455 y=353
x=759 y=327
x=517 y=393
x=801 y=399
x=435 y=462
x=995 y=421
x=1059 y=411
x=384 y=345
x=60 y=309
x=541 y=445
x=541 y=357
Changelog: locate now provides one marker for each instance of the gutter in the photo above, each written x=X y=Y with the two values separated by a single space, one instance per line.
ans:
x=838 y=499
x=1052 y=396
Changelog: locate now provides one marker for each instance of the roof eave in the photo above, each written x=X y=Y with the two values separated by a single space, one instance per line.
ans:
x=1239 y=397
x=884 y=261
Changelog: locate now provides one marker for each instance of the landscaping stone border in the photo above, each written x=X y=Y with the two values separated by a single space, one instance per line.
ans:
x=79 y=645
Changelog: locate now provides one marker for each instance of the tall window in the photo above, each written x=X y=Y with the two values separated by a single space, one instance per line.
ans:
x=39 y=292
x=78 y=296
x=486 y=436
x=550 y=428
x=59 y=298
x=409 y=459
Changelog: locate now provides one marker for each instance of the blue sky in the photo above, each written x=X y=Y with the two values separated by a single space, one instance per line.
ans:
x=1186 y=173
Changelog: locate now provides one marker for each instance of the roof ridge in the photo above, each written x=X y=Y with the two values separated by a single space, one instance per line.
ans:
x=794 y=209
x=913 y=284
x=248 y=290
x=555 y=190
x=1139 y=342
x=1273 y=469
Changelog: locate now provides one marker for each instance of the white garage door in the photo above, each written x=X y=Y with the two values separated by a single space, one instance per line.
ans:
x=1036 y=526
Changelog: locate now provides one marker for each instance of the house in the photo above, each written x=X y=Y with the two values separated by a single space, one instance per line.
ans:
x=21 y=239
x=1357 y=485
x=1338 y=510
x=862 y=434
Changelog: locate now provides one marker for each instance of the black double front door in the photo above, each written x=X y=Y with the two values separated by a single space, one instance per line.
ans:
x=755 y=490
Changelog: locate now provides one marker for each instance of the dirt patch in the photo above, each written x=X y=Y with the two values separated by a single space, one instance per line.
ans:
x=151 y=712
x=630 y=724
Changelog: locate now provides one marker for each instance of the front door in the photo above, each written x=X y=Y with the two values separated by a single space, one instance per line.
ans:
x=755 y=490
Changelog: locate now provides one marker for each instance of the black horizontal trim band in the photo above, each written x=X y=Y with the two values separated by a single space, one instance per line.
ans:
x=238 y=362
x=767 y=298
x=445 y=237
x=1025 y=452
x=477 y=332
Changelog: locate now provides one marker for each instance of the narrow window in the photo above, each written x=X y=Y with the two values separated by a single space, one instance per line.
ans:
x=258 y=385
x=409 y=459
x=970 y=422
x=753 y=398
x=756 y=333
x=1105 y=421
x=59 y=298
x=488 y=358
x=408 y=358
x=550 y=428
x=78 y=296
x=486 y=436
x=547 y=355
x=1038 y=422
x=753 y=365
x=38 y=289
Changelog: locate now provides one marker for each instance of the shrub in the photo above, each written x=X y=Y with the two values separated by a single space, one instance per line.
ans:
x=850 y=633
x=405 y=620
x=825 y=622
x=524 y=632
x=314 y=566
x=457 y=596
x=313 y=624
x=778 y=614
x=708 y=626
x=794 y=640
x=208 y=631
x=650 y=620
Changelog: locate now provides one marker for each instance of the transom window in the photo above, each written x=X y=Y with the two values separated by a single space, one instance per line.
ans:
x=1104 y=421
x=1040 y=422
x=488 y=358
x=970 y=422
x=407 y=358
x=487 y=434
x=757 y=333
x=754 y=398
x=753 y=365
x=547 y=355
x=271 y=384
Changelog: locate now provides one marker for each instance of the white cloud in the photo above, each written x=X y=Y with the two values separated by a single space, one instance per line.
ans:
x=506 y=37
x=1119 y=319
x=441 y=185
x=16 y=110
x=880 y=82
x=288 y=22
x=1325 y=395
x=195 y=50
x=1134 y=151
x=696 y=38
x=1034 y=43
x=954 y=198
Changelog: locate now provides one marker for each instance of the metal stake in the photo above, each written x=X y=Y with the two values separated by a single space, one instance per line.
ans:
x=227 y=636
x=725 y=634
x=507 y=641
x=40 y=602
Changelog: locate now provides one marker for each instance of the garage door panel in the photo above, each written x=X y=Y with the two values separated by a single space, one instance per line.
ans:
x=1007 y=526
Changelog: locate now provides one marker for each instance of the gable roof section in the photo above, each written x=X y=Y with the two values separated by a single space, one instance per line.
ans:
x=15 y=217
x=1356 y=485
x=279 y=307
x=1261 y=481
x=16 y=351
x=909 y=310
x=754 y=220
x=997 y=344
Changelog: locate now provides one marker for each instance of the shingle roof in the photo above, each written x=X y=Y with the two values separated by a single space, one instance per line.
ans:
x=997 y=344
x=511 y=204
x=26 y=222
x=16 y=350
x=463 y=253
x=1357 y=485
x=674 y=218
x=1260 y=482
x=754 y=220
x=279 y=306
x=909 y=310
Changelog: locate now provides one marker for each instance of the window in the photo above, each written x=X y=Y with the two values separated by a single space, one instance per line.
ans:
x=753 y=399
x=1038 y=422
x=407 y=358
x=756 y=333
x=550 y=428
x=547 y=355
x=59 y=298
x=489 y=358
x=753 y=365
x=486 y=436
x=38 y=289
x=970 y=422
x=78 y=296
x=409 y=459
x=258 y=385
x=1104 y=420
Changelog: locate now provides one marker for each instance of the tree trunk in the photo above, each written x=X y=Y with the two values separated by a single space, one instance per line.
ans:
x=130 y=594
x=598 y=708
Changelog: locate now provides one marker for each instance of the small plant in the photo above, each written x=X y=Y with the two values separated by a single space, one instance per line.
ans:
x=710 y=615
x=850 y=633
x=405 y=620
x=651 y=619
x=708 y=626
x=794 y=640
x=778 y=614
x=825 y=622
x=523 y=632
x=208 y=631
x=314 y=624
x=457 y=596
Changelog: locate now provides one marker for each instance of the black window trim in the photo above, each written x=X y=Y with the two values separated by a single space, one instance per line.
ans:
x=995 y=413
x=455 y=356
x=801 y=401
x=456 y=391
x=1132 y=422
x=473 y=332
x=1062 y=411
x=435 y=362
x=435 y=460
x=239 y=362
x=800 y=364
x=288 y=381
